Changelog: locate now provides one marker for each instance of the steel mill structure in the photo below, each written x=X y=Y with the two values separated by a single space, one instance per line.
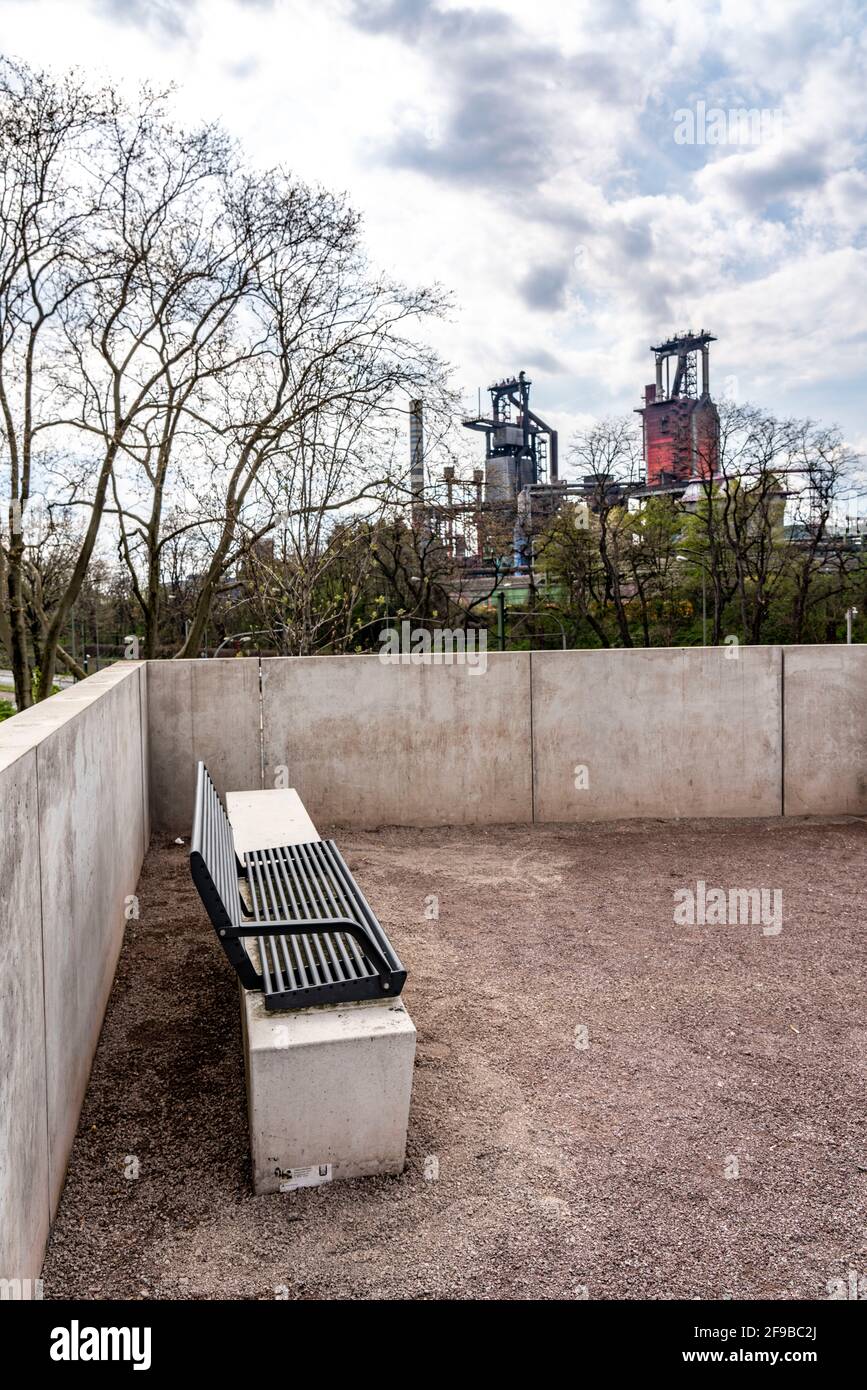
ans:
x=521 y=480
x=680 y=421
x=489 y=521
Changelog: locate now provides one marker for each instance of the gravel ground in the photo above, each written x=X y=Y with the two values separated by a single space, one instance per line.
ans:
x=601 y=1171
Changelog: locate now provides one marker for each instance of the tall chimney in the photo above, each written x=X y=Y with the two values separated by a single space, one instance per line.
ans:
x=416 y=457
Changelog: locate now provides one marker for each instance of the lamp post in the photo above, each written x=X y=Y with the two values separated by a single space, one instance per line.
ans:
x=703 y=607
x=233 y=638
x=241 y=637
x=501 y=620
x=703 y=595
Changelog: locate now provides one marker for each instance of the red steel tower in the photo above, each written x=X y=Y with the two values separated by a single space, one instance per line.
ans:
x=681 y=426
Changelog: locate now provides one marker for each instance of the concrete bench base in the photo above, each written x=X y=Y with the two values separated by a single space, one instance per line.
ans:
x=328 y=1089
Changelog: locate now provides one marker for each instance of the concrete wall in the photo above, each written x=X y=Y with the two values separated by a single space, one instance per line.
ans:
x=74 y=833
x=664 y=732
x=374 y=744
x=825 y=714
x=200 y=709
x=24 y=1187
x=363 y=742
x=660 y=732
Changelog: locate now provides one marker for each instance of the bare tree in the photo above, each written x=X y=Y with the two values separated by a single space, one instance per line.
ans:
x=570 y=549
x=331 y=340
x=607 y=454
x=820 y=461
x=48 y=130
x=336 y=469
x=167 y=321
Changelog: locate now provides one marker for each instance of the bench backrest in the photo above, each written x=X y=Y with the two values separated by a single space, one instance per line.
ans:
x=213 y=861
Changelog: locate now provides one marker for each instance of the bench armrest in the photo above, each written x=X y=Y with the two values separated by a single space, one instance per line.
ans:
x=311 y=926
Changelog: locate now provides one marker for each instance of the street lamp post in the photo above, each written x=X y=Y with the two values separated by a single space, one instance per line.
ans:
x=703 y=607
x=233 y=638
x=703 y=595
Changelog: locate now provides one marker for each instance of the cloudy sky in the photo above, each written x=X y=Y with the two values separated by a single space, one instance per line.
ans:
x=535 y=158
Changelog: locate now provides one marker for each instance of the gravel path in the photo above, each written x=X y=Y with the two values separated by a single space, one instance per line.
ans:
x=707 y=1141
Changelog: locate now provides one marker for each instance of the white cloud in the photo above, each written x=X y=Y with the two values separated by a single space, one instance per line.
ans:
x=524 y=156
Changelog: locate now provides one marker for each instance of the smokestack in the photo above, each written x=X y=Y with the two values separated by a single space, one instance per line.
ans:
x=416 y=456
x=478 y=484
x=449 y=476
x=553 y=459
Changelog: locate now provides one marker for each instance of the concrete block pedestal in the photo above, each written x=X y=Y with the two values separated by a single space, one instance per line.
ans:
x=328 y=1089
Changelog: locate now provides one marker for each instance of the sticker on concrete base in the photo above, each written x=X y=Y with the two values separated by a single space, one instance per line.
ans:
x=313 y=1176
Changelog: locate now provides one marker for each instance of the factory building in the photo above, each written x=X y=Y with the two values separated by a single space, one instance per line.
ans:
x=680 y=423
x=521 y=462
x=520 y=488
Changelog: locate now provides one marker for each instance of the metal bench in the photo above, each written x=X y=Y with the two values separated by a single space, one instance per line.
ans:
x=318 y=939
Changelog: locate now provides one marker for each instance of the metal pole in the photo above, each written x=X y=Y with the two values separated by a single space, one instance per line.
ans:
x=501 y=620
x=849 y=626
x=703 y=607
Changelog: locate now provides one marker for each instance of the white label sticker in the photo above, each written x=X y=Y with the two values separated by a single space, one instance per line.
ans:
x=313 y=1176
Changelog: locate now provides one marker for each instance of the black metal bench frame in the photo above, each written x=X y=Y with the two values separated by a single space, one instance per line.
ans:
x=319 y=940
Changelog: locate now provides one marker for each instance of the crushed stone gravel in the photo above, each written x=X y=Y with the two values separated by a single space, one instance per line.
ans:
x=618 y=1106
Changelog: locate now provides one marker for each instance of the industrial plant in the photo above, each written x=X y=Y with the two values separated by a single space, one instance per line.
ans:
x=491 y=518
x=680 y=422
